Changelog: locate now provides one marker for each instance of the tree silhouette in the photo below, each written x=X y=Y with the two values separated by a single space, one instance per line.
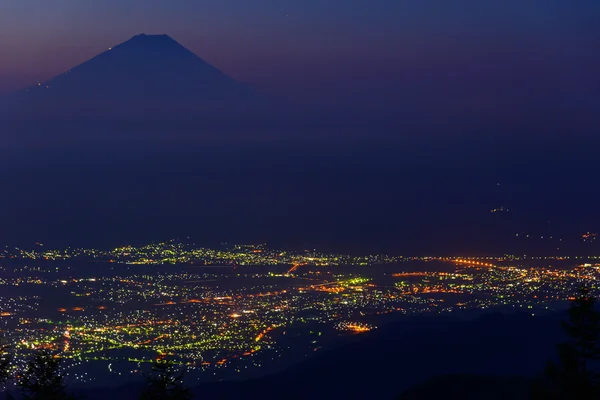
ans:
x=5 y=362
x=165 y=383
x=576 y=375
x=42 y=380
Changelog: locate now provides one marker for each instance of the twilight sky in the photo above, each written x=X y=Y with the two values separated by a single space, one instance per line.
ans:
x=519 y=69
x=311 y=44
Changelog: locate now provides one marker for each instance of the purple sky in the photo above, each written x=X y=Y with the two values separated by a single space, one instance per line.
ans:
x=305 y=45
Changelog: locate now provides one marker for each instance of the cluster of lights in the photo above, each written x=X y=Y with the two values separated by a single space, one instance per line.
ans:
x=233 y=319
x=354 y=327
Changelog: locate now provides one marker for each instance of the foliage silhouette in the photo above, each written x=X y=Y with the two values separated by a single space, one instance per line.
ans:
x=5 y=363
x=165 y=383
x=41 y=380
x=576 y=374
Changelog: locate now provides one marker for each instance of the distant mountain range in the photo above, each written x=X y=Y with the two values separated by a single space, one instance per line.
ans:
x=147 y=73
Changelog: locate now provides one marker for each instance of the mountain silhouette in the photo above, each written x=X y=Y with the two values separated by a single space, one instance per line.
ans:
x=147 y=73
x=390 y=361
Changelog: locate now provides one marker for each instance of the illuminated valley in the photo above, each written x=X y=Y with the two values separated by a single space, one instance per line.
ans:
x=242 y=311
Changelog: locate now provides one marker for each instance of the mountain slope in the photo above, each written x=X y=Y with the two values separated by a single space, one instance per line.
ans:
x=148 y=73
x=471 y=387
x=493 y=349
